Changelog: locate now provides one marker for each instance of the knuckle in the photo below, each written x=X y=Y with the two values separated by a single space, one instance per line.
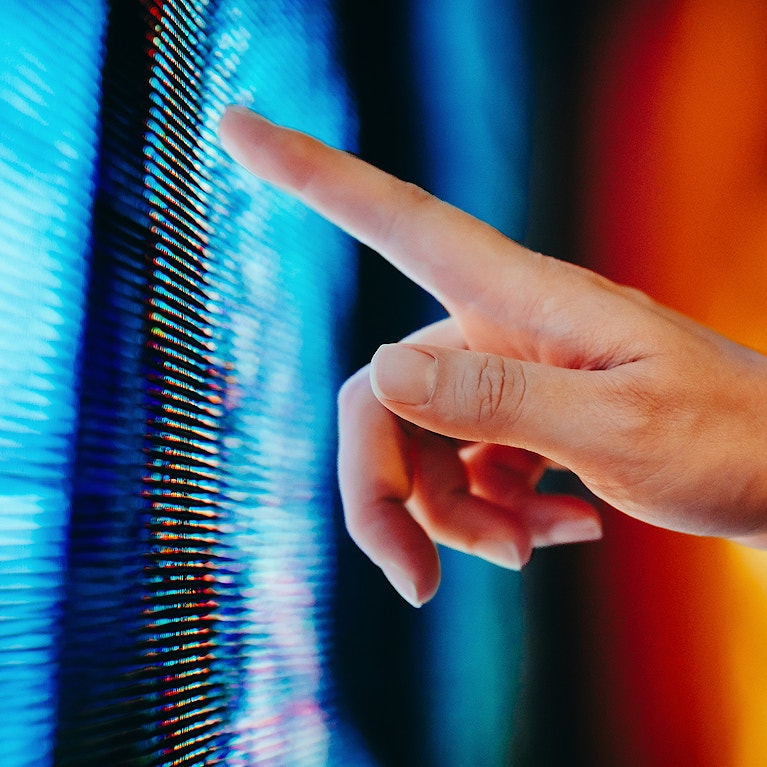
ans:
x=499 y=390
x=635 y=296
x=415 y=196
x=412 y=199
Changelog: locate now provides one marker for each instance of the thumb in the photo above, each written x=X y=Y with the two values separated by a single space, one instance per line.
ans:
x=482 y=397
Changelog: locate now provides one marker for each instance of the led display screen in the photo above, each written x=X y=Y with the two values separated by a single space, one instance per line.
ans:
x=167 y=431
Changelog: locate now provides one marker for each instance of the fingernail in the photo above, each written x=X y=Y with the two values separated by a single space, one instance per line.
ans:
x=403 y=374
x=499 y=553
x=403 y=584
x=574 y=531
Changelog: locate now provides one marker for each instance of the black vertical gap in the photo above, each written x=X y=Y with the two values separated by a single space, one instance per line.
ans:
x=374 y=654
x=552 y=729
x=100 y=719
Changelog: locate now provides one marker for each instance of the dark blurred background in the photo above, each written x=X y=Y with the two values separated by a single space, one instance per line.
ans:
x=478 y=102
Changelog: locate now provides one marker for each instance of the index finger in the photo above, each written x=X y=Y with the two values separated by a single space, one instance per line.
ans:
x=446 y=251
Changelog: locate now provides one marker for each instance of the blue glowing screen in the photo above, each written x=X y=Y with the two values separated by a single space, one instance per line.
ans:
x=168 y=368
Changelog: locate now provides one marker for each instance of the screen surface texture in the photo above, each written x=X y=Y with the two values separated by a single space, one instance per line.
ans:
x=167 y=431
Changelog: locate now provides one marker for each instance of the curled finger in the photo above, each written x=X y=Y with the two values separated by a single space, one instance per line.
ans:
x=376 y=477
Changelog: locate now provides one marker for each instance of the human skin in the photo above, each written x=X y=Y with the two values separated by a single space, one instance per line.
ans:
x=445 y=436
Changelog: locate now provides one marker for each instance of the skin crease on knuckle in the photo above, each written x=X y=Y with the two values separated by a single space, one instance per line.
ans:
x=491 y=391
x=476 y=393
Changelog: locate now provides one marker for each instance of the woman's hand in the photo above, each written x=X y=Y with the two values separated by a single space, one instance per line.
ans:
x=444 y=437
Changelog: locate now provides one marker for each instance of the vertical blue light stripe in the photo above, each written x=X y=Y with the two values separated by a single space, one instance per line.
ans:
x=470 y=61
x=50 y=56
x=285 y=279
